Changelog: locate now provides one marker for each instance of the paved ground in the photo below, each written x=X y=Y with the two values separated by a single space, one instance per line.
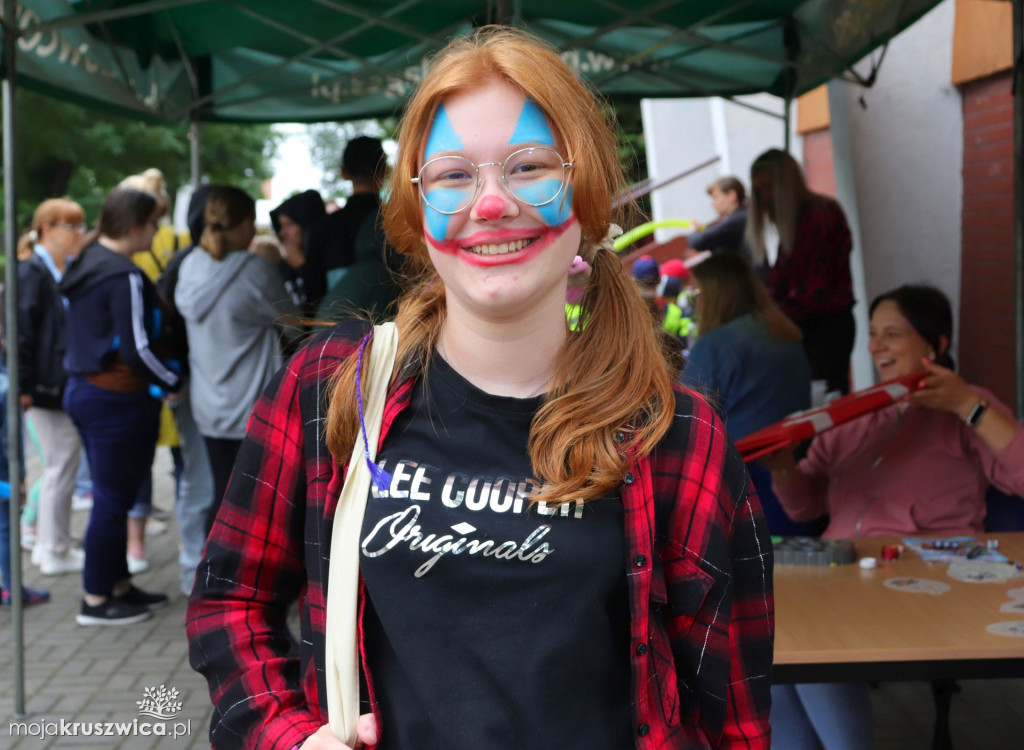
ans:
x=93 y=675
x=100 y=674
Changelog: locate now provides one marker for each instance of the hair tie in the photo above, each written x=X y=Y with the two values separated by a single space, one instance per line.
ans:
x=381 y=479
x=608 y=243
x=579 y=266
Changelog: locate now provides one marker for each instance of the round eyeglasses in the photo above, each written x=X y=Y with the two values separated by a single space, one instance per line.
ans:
x=532 y=176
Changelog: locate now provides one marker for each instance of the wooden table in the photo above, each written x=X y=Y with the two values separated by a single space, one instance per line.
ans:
x=842 y=624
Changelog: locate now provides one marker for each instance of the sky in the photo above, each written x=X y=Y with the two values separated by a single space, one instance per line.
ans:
x=293 y=171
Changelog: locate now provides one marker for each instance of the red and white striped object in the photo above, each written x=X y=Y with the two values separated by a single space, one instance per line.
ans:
x=806 y=424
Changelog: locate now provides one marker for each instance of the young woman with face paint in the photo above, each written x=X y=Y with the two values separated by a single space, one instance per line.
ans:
x=567 y=551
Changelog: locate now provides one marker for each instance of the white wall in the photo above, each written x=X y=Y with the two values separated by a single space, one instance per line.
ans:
x=907 y=156
x=681 y=133
x=898 y=164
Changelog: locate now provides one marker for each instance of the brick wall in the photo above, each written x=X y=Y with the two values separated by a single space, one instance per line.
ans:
x=987 y=263
x=819 y=165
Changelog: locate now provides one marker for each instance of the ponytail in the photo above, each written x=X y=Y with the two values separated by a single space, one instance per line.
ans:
x=614 y=350
x=226 y=208
x=420 y=315
x=26 y=245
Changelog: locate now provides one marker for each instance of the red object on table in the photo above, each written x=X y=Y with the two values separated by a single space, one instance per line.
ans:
x=806 y=424
x=892 y=551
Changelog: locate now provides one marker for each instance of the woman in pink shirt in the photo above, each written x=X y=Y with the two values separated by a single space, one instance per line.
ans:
x=919 y=467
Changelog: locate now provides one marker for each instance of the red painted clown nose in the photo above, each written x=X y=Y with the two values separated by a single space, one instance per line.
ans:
x=490 y=207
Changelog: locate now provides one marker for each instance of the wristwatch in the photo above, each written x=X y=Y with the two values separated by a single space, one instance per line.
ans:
x=976 y=413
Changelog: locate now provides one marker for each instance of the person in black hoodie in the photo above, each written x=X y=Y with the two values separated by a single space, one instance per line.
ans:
x=57 y=228
x=113 y=319
x=302 y=269
x=334 y=238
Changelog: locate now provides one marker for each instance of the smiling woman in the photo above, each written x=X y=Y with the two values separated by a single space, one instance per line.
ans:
x=919 y=467
x=550 y=494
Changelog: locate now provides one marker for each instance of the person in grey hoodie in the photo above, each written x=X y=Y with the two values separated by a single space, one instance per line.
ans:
x=234 y=305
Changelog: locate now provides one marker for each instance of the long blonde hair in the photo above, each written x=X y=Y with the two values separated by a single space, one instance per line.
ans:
x=151 y=181
x=729 y=289
x=789 y=195
x=611 y=375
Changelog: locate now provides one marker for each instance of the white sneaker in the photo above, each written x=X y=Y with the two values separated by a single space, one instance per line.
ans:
x=137 y=565
x=81 y=502
x=155 y=527
x=52 y=564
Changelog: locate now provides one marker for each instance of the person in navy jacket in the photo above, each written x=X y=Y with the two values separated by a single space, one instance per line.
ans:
x=114 y=372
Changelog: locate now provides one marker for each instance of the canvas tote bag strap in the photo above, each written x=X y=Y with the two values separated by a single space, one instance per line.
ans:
x=342 y=647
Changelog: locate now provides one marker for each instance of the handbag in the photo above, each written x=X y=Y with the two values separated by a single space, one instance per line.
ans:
x=341 y=637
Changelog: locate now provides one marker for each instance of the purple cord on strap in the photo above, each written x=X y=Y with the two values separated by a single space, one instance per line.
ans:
x=381 y=479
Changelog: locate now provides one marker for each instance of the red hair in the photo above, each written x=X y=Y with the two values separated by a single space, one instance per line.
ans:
x=612 y=375
x=51 y=211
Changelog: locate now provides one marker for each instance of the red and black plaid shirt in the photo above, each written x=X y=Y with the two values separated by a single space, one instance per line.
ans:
x=699 y=568
x=813 y=279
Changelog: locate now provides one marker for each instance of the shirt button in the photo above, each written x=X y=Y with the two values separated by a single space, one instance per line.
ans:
x=628 y=479
x=643 y=730
x=639 y=560
x=619 y=436
x=641 y=649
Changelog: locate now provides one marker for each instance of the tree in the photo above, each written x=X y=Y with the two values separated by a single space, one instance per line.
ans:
x=65 y=149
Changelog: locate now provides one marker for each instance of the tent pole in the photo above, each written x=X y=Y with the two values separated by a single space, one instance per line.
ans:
x=10 y=27
x=1018 y=191
x=786 y=115
x=193 y=137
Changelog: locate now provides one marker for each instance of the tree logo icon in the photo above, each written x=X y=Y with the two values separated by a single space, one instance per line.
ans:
x=160 y=703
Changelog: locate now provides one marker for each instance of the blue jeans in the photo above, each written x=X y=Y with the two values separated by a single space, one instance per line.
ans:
x=5 y=542
x=195 y=491
x=838 y=714
x=83 y=482
x=119 y=431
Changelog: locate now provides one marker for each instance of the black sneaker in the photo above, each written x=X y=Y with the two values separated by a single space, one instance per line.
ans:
x=112 y=612
x=139 y=598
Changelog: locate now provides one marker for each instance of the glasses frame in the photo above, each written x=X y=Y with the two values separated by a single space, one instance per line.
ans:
x=83 y=227
x=566 y=165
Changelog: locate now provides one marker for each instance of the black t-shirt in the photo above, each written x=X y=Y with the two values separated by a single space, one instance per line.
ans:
x=491 y=623
x=334 y=238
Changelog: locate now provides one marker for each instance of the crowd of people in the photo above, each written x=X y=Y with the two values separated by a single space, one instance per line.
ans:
x=506 y=484
x=132 y=336
x=766 y=332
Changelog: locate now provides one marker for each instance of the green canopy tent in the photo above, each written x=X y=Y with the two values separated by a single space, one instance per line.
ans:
x=316 y=60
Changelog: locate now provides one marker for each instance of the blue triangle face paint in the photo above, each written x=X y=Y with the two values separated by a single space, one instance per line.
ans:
x=442 y=138
x=442 y=135
x=532 y=126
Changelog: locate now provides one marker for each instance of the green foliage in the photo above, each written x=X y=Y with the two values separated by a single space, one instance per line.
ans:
x=65 y=149
x=327 y=141
x=632 y=148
